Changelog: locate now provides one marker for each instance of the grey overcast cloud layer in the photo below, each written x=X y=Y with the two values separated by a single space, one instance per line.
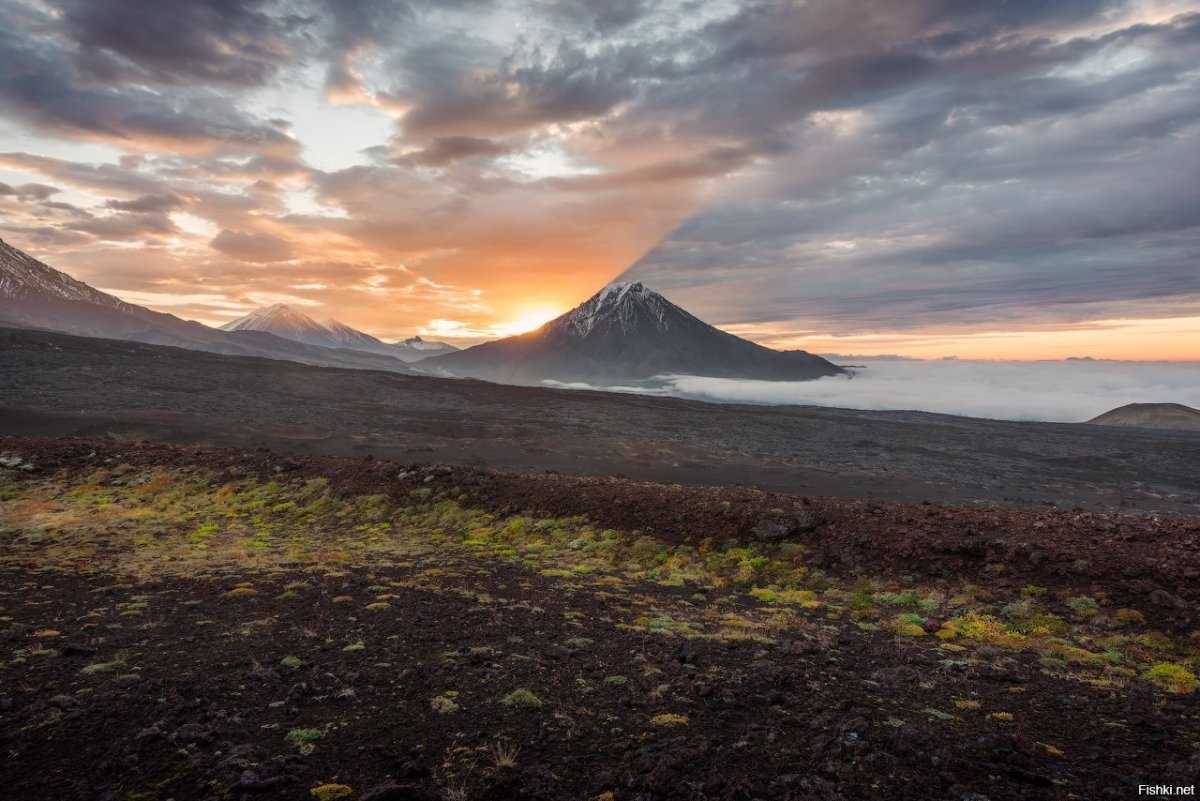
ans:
x=822 y=167
x=993 y=170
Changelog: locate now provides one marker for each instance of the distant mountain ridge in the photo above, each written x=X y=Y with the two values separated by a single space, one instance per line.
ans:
x=291 y=323
x=35 y=295
x=627 y=331
x=23 y=277
x=1168 y=416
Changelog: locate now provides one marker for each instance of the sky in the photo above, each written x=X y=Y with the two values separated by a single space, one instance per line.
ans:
x=993 y=180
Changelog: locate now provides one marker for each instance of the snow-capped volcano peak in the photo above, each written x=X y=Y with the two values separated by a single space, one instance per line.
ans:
x=624 y=306
x=618 y=290
x=350 y=337
x=627 y=331
x=419 y=348
x=282 y=320
x=289 y=322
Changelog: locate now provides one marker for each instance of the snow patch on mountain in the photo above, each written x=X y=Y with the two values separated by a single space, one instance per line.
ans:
x=23 y=277
x=620 y=303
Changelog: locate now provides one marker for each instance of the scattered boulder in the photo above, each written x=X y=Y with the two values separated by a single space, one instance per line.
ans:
x=783 y=526
x=14 y=461
x=1161 y=597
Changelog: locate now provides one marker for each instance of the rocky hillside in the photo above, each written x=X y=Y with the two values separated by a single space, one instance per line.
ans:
x=1167 y=416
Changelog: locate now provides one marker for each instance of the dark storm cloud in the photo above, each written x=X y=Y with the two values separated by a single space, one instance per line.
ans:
x=234 y=42
x=600 y=16
x=984 y=173
x=45 y=84
x=39 y=87
x=353 y=27
x=455 y=88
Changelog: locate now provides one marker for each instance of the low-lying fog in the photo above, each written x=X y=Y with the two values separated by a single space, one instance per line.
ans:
x=1061 y=391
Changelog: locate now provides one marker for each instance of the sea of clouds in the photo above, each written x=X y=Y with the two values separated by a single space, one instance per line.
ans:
x=1068 y=391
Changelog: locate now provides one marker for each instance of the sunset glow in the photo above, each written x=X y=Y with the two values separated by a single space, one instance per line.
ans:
x=528 y=320
x=449 y=173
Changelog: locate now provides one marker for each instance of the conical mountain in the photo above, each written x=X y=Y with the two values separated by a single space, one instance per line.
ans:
x=627 y=331
x=286 y=321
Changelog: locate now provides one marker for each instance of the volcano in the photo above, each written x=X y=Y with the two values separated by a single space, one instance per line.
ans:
x=627 y=331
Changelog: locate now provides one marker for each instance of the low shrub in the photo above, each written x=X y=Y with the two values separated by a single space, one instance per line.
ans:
x=521 y=698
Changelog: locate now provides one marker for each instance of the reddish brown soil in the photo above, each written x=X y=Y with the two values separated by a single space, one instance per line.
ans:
x=807 y=720
x=1138 y=560
x=201 y=711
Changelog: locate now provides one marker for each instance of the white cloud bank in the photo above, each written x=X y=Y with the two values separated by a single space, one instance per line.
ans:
x=1061 y=391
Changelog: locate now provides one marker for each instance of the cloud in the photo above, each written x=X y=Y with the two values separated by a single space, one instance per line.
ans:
x=1028 y=178
x=1070 y=391
x=126 y=227
x=445 y=150
x=30 y=191
x=234 y=42
x=464 y=87
x=883 y=167
x=253 y=246
x=43 y=85
x=148 y=203
x=600 y=16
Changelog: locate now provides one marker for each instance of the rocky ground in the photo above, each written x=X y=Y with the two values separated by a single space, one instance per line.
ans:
x=58 y=384
x=195 y=623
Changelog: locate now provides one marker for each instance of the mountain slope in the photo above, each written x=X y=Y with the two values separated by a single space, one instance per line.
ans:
x=628 y=332
x=35 y=295
x=284 y=321
x=291 y=323
x=1168 y=416
x=414 y=349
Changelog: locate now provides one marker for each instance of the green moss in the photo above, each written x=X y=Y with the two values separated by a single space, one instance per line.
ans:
x=522 y=699
x=1084 y=606
x=578 y=642
x=938 y=714
x=103 y=667
x=304 y=739
x=1172 y=677
x=444 y=705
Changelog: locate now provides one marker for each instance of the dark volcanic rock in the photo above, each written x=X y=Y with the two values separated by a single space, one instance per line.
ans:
x=780 y=527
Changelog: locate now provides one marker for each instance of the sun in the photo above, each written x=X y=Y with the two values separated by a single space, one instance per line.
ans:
x=527 y=319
